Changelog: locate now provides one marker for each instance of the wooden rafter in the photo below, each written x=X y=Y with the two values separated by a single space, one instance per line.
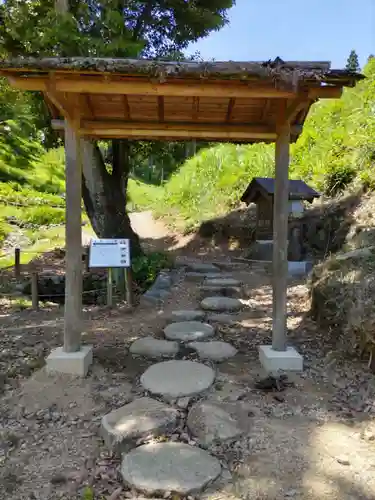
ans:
x=266 y=110
x=127 y=115
x=161 y=108
x=195 y=113
x=231 y=104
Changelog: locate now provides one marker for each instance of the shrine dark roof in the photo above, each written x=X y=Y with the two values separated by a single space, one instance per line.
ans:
x=298 y=190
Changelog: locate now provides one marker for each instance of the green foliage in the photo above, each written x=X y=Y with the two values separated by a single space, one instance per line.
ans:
x=44 y=216
x=146 y=268
x=212 y=182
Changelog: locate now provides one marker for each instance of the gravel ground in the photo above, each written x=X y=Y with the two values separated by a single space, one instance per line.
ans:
x=314 y=440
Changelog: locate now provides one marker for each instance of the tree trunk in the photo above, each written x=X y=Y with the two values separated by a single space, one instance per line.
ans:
x=104 y=194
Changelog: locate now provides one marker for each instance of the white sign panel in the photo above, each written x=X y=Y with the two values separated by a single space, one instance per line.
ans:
x=110 y=253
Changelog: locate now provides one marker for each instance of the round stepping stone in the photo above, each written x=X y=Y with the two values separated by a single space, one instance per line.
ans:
x=142 y=418
x=188 y=315
x=214 y=350
x=199 y=267
x=221 y=304
x=154 y=348
x=188 y=331
x=222 y=291
x=177 y=379
x=158 y=468
x=225 y=319
x=223 y=282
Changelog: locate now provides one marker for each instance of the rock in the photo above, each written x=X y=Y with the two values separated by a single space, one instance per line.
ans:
x=139 y=420
x=200 y=267
x=343 y=460
x=154 y=348
x=359 y=253
x=193 y=276
x=177 y=379
x=188 y=331
x=214 y=350
x=188 y=315
x=221 y=304
x=183 y=403
x=225 y=319
x=229 y=291
x=210 y=423
x=157 y=468
x=223 y=282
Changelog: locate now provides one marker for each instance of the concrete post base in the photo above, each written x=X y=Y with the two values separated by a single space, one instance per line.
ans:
x=74 y=363
x=274 y=361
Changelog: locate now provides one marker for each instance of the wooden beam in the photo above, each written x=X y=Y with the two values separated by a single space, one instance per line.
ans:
x=294 y=108
x=231 y=104
x=177 y=130
x=126 y=108
x=325 y=92
x=161 y=108
x=73 y=242
x=139 y=87
x=280 y=231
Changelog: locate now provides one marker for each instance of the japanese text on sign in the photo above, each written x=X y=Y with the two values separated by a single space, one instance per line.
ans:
x=109 y=253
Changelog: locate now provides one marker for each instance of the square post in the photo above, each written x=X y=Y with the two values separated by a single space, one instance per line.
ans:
x=73 y=242
x=279 y=356
x=280 y=238
x=72 y=357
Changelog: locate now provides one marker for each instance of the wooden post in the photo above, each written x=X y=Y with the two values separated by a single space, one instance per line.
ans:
x=17 y=262
x=73 y=242
x=129 y=286
x=109 y=288
x=34 y=291
x=280 y=234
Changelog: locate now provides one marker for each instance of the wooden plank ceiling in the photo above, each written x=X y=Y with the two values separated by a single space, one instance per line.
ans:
x=99 y=104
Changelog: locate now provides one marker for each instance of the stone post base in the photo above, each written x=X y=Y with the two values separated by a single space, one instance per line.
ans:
x=74 y=363
x=274 y=361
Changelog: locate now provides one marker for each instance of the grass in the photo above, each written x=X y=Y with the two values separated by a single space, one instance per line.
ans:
x=42 y=240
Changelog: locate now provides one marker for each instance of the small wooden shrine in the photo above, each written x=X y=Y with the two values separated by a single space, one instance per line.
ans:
x=261 y=191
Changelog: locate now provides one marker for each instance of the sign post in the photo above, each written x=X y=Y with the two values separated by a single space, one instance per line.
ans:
x=111 y=253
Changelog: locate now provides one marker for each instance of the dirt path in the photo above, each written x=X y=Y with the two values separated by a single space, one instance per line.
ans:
x=312 y=441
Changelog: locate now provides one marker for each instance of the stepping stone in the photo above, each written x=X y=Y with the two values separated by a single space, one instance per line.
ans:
x=188 y=315
x=221 y=304
x=223 y=282
x=194 y=276
x=188 y=331
x=210 y=423
x=224 y=291
x=177 y=379
x=158 y=468
x=225 y=319
x=214 y=350
x=142 y=418
x=200 y=267
x=154 y=348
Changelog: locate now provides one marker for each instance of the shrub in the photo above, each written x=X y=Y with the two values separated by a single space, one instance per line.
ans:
x=43 y=216
x=146 y=268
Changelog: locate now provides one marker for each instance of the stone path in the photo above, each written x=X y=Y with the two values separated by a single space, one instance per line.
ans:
x=163 y=435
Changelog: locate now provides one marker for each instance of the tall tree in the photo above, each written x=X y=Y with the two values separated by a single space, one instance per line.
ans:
x=353 y=62
x=107 y=28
